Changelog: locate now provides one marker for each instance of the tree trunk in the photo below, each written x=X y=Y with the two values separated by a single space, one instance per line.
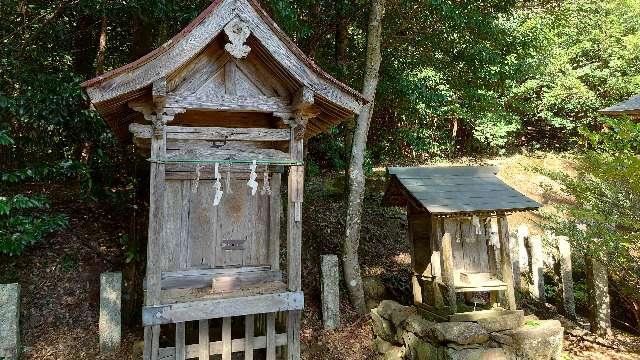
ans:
x=102 y=47
x=350 y=260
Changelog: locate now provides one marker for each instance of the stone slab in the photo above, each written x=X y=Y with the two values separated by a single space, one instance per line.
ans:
x=110 y=322
x=330 y=288
x=9 y=321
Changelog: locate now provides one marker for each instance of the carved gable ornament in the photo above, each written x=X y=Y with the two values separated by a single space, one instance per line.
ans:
x=238 y=32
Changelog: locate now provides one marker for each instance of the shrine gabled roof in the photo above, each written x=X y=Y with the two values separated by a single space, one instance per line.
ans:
x=630 y=106
x=110 y=92
x=454 y=190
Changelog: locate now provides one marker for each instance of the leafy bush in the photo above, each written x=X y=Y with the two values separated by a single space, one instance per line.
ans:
x=23 y=220
x=22 y=225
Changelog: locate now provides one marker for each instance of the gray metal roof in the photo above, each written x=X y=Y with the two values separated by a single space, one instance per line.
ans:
x=630 y=106
x=452 y=190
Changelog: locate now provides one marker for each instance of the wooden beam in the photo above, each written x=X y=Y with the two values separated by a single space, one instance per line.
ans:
x=213 y=133
x=228 y=103
x=221 y=282
x=224 y=307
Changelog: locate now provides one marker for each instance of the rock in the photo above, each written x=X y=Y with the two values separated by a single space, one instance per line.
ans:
x=387 y=308
x=530 y=317
x=9 y=321
x=474 y=353
x=541 y=340
x=503 y=322
x=463 y=333
x=382 y=346
x=372 y=304
x=401 y=314
x=138 y=350
x=373 y=287
x=419 y=349
x=418 y=326
x=501 y=338
x=396 y=353
x=383 y=327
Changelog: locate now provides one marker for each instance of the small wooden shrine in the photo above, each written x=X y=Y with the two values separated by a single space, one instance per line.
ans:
x=449 y=213
x=221 y=110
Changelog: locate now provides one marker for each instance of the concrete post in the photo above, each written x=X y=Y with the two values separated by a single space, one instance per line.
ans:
x=598 y=289
x=10 y=321
x=330 y=291
x=537 y=267
x=110 y=323
x=566 y=276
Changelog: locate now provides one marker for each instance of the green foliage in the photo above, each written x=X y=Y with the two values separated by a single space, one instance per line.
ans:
x=603 y=221
x=22 y=223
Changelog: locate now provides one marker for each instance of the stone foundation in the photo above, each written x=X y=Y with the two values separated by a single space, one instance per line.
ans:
x=401 y=333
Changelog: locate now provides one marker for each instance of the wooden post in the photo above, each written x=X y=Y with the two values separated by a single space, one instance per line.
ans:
x=110 y=324
x=448 y=275
x=249 y=326
x=537 y=267
x=598 y=289
x=505 y=260
x=294 y=237
x=566 y=275
x=156 y=220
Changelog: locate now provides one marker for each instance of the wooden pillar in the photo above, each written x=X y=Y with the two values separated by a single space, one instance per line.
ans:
x=294 y=235
x=537 y=267
x=448 y=275
x=598 y=290
x=505 y=260
x=566 y=275
x=156 y=219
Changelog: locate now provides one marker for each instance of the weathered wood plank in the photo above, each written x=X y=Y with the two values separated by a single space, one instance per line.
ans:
x=215 y=348
x=505 y=260
x=249 y=326
x=223 y=282
x=275 y=213
x=228 y=103
x=203 y=339
x=226 y=338
x=213 y=133
x=224 y=307
x=181 y=352
x=271 y=336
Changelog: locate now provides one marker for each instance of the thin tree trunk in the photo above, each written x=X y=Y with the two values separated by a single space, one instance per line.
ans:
x=102 y=47
x=350 y=260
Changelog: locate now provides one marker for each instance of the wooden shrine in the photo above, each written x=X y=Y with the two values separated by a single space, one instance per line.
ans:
x=449 y=213
x=221 y=111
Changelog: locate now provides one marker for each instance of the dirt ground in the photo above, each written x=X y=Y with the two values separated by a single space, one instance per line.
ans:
x=60 y=276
